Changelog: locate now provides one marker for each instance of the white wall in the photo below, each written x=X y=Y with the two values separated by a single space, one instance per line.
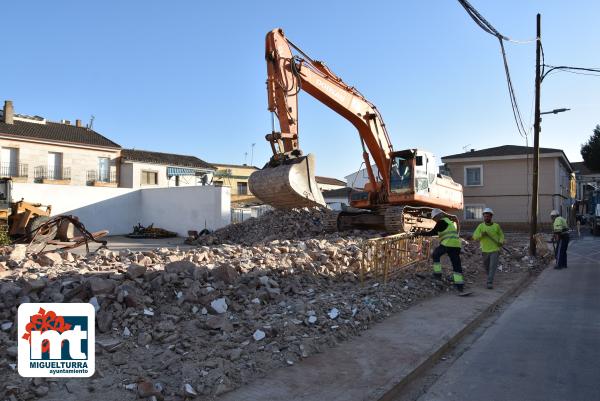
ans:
x=186 y=208
x=119 y=209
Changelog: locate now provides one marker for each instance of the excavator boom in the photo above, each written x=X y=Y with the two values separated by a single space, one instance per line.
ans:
x=288 y=180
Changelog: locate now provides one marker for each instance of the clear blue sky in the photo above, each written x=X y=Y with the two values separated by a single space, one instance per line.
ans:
x=189 y=76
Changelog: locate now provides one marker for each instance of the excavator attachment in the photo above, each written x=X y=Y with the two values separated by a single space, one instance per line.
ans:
x=289 y=185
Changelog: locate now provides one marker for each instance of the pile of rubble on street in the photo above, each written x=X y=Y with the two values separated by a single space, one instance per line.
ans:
x=193 y=324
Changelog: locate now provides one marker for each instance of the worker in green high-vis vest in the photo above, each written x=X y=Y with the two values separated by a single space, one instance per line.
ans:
x=449 y=244
x=491 y=239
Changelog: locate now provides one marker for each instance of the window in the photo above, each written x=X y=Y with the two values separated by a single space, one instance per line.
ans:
x=401 y=175
x=473 y=176
x=9 y=159
x=149 y=178
x=242 y=188
x=54 y=166
x=474 y=212
x=103 y=169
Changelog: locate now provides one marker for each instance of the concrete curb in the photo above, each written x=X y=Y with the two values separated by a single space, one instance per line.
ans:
x=396 y=388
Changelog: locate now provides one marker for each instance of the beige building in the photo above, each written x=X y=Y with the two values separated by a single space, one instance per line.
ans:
x=35 y=150
x=236 y=177
x=142 y=168
x=500 y=178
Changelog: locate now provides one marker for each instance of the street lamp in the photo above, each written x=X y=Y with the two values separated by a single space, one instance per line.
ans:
x=556 y=111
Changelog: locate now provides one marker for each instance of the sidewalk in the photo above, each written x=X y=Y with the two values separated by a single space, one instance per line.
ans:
x=376 y=365
x=544 y=346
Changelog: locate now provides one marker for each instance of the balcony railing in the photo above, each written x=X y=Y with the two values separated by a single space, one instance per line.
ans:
x=13 y=170
x=43 y=173
x=95 y=177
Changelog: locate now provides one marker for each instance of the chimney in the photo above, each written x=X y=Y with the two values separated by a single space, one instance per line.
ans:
x=65 y=122
x=9 y=112
x=78 y=123
x=472 y=150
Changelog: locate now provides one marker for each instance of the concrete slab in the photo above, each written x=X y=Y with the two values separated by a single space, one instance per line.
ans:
x=375 y=365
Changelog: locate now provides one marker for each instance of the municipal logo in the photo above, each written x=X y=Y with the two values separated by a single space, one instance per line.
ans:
x=56 y=340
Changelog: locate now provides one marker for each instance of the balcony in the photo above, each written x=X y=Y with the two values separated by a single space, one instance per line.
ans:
x=45 y=175
x=16 y=171
x=99 y=178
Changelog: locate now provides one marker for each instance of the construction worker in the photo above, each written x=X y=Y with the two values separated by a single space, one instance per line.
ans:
x=449 y=244
x=560 y=229
x=491 y=239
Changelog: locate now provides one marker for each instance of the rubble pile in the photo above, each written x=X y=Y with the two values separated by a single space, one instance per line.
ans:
x=275 y=225
x=176 y=325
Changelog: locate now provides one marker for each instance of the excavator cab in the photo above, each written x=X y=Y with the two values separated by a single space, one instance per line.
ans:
x=412 y=170
x=401 y=174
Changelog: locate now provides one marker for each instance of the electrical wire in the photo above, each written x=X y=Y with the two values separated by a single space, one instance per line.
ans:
x=573 y=70
x=489 y=28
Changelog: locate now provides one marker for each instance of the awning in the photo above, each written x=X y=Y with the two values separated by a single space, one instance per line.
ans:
x=174 y=171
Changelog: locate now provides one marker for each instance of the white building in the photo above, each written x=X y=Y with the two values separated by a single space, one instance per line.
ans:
x=359 y=178
x=142 y=168
x=329 y=183
x=35 y=150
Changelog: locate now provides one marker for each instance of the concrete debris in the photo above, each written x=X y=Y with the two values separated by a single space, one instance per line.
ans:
x=18 y=253
x=94 y=302
x=189 y=391
x=258 y=335
x=250 y=298
x=219 y=305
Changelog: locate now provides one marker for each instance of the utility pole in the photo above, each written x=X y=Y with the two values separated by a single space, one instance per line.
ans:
x=536 y=140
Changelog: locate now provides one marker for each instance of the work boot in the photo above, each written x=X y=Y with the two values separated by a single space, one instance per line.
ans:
x=459 y=287
x=490 y=286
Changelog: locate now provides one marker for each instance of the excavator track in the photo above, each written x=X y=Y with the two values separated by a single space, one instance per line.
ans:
x=393 y=219
x=330 y=221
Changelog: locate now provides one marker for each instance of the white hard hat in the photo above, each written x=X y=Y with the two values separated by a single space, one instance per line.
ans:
x=488 y=210
x=435 y=212
x=554 y=213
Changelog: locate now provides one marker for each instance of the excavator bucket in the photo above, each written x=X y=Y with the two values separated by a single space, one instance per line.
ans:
x=289 y=185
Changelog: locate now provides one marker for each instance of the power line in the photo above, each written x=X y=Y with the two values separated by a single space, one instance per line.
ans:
x=489 y=28
x=573 y=70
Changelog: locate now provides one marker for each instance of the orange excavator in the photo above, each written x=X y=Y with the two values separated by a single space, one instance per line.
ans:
x=407 y=186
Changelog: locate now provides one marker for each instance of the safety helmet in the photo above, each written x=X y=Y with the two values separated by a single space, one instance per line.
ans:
x=488 y=210
x=435 y=212
x=554 y=213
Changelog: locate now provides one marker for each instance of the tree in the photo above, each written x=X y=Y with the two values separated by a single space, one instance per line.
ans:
x=590 y=151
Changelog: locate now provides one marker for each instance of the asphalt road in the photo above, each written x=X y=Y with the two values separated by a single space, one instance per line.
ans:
x=545 y=346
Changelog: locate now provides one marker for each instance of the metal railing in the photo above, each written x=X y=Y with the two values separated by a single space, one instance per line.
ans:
x=13 y=170
x=44 y=173
x=108 y=177
x=383 y=257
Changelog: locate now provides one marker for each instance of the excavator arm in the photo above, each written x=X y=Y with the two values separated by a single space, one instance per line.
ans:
x=288 y=74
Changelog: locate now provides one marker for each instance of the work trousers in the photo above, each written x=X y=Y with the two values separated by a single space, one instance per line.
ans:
x=490 y=263
x=560 y=253
x=454 y=255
